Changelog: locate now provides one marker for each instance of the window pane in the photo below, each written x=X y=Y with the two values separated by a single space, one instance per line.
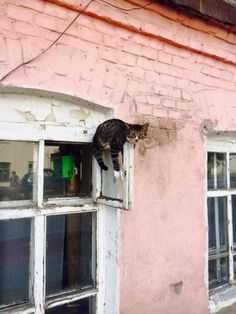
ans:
x=16 y=183
x=211 y=225
x=69 y=252
x=68 y=170
x=14 y=261
x=218 y=272
x=232 y=159
x=210 y=171
x=84 y=306
x=223 y=235
x=234 y=220
x=217 y=225
x=216 y=171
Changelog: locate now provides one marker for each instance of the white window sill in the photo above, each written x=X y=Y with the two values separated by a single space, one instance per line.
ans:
x=222 y=298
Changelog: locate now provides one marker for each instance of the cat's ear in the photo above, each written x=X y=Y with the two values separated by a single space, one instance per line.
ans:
x=127 y=125
x=145 y=127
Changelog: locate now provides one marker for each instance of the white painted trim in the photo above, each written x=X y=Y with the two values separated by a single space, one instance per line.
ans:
x=39 y=263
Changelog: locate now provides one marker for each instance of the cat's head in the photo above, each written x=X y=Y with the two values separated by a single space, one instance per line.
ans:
x=135 y=132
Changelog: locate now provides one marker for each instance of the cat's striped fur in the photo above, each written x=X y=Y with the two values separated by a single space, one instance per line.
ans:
x=111 y=135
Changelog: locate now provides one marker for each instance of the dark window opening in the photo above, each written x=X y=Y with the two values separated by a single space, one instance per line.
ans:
x=69 y=262
x=84 y=306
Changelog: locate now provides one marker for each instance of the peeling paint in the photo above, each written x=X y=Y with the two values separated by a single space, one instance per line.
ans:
x=80 y=114
x=28 y=115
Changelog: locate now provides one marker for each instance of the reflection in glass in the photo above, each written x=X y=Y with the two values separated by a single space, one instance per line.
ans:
x=68 y=170
x=14 y=261
x=232 y=160
x=16 y=160
x=218 y=272
x=84 y=306
x=216 y=171
x=69 y=252
x=210 y=171
x=217 y=225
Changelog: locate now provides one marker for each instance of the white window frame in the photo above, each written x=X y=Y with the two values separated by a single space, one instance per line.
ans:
x=108 y=215
x=226 y=294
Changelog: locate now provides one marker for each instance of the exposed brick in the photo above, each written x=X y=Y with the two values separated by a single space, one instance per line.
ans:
x=163 y=137
x=167 y=124
x=172 y=135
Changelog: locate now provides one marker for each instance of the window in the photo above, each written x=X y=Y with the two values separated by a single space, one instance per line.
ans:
x=4 y=171
x=59 y=216
x=48 y=254
x=221 y=204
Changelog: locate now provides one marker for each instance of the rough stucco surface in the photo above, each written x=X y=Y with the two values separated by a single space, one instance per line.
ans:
x=148 y=65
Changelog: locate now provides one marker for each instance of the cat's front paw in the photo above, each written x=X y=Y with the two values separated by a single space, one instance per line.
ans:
x=104 y=167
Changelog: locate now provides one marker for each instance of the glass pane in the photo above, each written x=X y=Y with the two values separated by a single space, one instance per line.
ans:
x=84 y=306
x=111 y=187
x=14 y=261
x=216 y=171
x=218 y=272
x=69 y=252
x=234 y=261
x=210 y=171
x=223 y=235
x=217 y=225
x=232 y=160
x=68 y=170
x=211 y=225
x=234 y=220
x=16 y=160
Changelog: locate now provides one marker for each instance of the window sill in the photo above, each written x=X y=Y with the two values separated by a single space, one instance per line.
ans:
x=222 y=298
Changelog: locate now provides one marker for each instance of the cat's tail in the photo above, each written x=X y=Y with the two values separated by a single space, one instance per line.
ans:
x=98 y=155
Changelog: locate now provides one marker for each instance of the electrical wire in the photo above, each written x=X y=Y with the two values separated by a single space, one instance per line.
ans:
x=50 y=46
x=131 y=9
x=58 y=38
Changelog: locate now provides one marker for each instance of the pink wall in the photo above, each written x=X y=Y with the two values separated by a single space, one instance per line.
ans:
x=151 y=65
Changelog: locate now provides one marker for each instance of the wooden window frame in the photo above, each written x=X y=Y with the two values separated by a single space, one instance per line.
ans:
x=41 y=209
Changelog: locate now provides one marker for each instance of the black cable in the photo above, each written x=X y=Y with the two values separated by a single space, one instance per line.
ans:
x=131 y=9
x=49 y=47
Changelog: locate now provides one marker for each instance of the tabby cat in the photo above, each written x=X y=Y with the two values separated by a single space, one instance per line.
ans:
x=112 y=135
